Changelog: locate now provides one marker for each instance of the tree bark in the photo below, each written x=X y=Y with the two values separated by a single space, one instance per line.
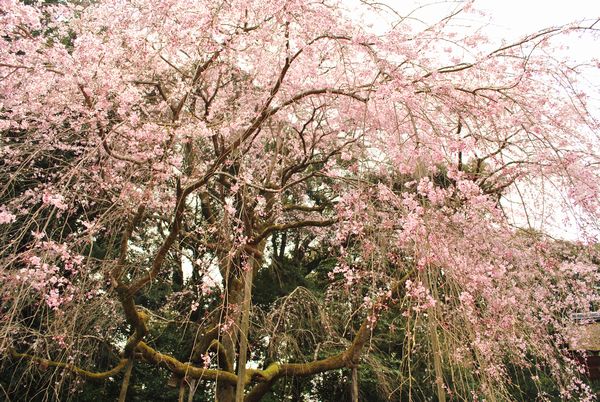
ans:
x=177 y=274
x=354 y=394
x=253 y=265
x=193 y=382
x=125 y=384
x=182 y=386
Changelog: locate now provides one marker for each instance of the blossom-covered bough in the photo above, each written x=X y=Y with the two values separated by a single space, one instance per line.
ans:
x=193 y=143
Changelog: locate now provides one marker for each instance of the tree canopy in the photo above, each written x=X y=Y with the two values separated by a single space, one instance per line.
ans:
x=259 y=200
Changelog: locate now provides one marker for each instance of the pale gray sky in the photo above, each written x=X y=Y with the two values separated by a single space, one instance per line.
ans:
x=516 y=17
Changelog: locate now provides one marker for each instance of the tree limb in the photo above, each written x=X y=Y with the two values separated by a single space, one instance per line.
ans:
x=71 y=367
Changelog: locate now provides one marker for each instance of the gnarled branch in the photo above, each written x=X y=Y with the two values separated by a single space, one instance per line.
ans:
x=71 y=367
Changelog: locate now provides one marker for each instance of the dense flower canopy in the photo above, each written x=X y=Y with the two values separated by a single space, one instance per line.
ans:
x=190 y=145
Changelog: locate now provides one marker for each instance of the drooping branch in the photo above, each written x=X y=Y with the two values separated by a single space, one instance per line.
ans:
x=266 y=377
x=348 y=358
x=71 y=367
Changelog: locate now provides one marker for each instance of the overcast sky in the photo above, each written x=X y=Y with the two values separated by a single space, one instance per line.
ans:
x=516 y=17
x=511 y=19
x=503 y=19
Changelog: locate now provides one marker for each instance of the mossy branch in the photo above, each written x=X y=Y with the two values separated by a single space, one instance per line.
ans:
x=184 y=369
x=71 y=367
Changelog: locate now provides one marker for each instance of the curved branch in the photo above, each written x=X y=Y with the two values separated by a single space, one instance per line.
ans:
x=184 y=369
x=115 y=155
x=136 y=318
x=71 y=367
x=291 y=225
x=218 y=347
x=303 y=208
x=348 y=358
x=267 y=377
